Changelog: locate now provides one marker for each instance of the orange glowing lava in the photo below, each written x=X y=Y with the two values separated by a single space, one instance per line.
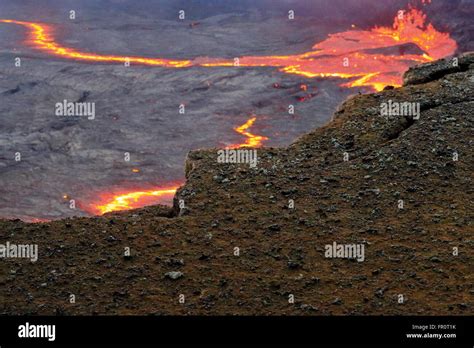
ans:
x=357 y=55
x=132 y=200
x=252 y=139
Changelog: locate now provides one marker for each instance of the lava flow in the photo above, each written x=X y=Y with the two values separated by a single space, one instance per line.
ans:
x=363 y=56
x=252 y=139
x=373 y=58
x=132 y=200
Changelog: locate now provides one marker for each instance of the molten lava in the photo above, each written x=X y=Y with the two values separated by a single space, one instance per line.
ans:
x=354 y=54
x=252 y=139
x=132 y=200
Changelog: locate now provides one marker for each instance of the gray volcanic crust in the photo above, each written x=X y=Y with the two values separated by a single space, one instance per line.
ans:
x=422 y=251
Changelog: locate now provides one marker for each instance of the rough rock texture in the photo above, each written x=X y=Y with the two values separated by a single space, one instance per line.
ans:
x=436 y=70
x=408 y=251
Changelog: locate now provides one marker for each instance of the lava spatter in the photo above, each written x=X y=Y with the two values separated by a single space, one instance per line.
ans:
x=358 y=54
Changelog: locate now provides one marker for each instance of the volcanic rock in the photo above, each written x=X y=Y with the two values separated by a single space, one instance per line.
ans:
x=174 y=275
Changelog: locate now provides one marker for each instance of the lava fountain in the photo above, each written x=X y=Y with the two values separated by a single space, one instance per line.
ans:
x=361 y=55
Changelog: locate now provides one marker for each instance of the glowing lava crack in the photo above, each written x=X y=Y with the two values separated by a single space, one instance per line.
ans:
x=252 y=139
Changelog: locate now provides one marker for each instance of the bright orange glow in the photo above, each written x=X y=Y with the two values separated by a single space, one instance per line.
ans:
x=357 y=54
x=252 y=139
x=354 y=54
x=132 y=200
